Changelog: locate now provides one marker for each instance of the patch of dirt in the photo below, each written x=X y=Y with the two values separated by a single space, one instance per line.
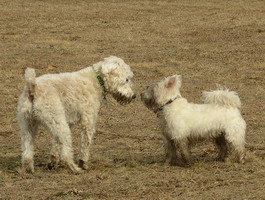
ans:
x=207 y=42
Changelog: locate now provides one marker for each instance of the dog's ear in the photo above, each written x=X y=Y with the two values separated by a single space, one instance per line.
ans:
x=170 y=82
x=107 y=68
x=173 y=80
x=179 y=80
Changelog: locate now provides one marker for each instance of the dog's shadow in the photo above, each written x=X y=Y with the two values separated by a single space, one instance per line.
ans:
x=144 y=159
x=9 y=164
x=131 y=161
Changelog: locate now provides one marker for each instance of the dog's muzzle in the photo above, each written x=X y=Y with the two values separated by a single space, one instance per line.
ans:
x=122 y=99
x=149 y=102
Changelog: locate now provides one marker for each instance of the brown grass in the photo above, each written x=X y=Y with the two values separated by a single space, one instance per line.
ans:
x=207 y=42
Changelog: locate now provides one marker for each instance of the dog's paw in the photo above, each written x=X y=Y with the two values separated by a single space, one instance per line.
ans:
x=74 y=168
x=28 y=167
x=220 y=159
x=78 y=171
x=27 y=170
x=51 y=166
x=83 y=165
x=184 y=163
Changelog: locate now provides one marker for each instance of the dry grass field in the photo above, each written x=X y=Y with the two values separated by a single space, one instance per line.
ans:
x=207 y=42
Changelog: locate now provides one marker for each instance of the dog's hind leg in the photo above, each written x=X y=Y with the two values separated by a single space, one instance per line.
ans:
x=88 y=130
x=61 y=132
x=54 y=154
x=221 y=144
x=59 y=128
x=28 y=129
x=236 y=137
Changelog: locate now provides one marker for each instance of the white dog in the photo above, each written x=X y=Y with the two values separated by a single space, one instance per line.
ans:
x=182 y=122
x=60 y=100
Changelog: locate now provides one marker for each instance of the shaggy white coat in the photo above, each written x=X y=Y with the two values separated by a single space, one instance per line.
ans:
x=182 y=121
x=60 y=100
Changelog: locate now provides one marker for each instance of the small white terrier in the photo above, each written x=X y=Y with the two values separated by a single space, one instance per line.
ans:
x=181 y=122
x=60 y=100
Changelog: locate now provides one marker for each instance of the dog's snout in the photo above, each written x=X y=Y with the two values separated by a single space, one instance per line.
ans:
x=134 y=96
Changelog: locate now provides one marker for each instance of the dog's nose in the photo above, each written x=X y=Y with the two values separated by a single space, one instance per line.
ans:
x=134 y=96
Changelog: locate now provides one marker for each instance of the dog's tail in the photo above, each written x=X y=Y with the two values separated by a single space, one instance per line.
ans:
x=222 y=96
x=30 y=78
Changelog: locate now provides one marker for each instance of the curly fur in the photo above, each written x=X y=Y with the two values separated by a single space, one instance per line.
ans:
x=222 y=96
x=60 y=100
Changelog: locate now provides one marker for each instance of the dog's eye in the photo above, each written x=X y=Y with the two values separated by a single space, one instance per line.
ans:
x=127 y=80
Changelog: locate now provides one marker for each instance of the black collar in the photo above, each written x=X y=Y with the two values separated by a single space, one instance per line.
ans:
x=167 y=103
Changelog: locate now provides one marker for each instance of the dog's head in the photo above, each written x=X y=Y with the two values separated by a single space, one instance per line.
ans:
x=160 y=93
x=117 y=76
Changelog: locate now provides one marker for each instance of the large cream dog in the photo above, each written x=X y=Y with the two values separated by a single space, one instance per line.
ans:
x=60 y=100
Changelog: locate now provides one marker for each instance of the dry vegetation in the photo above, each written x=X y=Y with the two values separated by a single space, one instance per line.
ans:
x=207 y=42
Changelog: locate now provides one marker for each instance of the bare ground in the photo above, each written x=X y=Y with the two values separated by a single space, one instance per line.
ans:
x=208 y=42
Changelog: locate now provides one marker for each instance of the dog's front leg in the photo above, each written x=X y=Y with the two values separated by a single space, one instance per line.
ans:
x=182 y=147
x=170 y=150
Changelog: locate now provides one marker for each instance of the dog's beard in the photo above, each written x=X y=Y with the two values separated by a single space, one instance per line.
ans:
x=122 y=99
